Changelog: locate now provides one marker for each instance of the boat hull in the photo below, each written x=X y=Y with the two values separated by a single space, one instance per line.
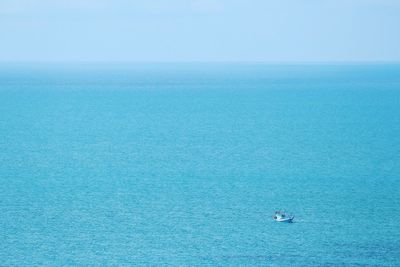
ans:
x=286 y=220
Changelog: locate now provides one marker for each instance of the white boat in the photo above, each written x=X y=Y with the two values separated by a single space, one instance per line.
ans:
x=281 y=216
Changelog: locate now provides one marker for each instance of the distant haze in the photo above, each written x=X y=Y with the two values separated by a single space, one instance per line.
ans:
x=195 y=30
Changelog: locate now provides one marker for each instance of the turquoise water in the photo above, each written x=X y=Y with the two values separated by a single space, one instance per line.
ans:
x=184 y=164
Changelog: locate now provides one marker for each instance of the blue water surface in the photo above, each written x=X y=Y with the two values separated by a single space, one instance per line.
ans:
x=184 y=164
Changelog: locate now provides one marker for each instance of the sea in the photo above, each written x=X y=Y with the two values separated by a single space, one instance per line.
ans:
x=184 y=164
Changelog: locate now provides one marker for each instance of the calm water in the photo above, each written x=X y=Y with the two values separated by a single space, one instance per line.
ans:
x=185 y=164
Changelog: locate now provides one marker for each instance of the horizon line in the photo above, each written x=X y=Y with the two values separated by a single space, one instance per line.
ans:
x=264 y=62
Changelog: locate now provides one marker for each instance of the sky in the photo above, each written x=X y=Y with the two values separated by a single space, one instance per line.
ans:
x=199 y=30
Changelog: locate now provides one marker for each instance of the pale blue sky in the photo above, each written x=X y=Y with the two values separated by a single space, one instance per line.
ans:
x=200 y=30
